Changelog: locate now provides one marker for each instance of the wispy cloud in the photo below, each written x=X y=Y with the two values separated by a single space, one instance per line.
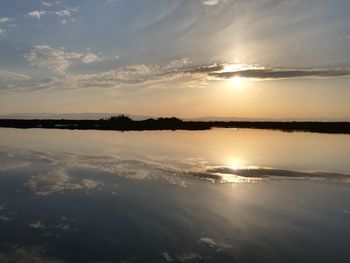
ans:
x=50 y=3
x=58 y=60
x=90 y=58
x=5 y=218
x=142 y=75
x=58 y=181
x=37 y=225
x=4 y=25
x=138 y=74
x=270 y=74
x=10 y=75
x=211 y=2
x=36 y=14
x=65 y=12
x=21 y=254
x=150 y=74
x=46 y=4
x=53 y=182
x=4 y=20
x=49 y=9
x=61 y=176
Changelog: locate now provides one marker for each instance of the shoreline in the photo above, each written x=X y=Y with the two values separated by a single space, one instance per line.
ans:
x=127 y=124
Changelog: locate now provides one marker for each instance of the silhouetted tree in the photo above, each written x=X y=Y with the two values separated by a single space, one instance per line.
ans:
x=120 y=118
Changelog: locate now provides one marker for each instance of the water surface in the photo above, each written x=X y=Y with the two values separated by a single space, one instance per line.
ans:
x=207 y=196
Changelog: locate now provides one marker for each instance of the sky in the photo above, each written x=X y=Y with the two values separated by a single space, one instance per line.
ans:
x=184 y=58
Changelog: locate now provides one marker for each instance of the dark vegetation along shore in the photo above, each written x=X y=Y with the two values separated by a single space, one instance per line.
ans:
x=124 y=123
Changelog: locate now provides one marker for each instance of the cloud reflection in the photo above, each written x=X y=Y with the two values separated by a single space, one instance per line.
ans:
x=22 y=255
x=57 y=181
x=63 y=168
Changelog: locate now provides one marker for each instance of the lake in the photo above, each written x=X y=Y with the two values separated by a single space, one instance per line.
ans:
x=222 y=195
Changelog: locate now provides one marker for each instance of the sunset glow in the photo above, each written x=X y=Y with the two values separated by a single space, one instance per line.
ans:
x=236 y=82
x=182 y=131
x=109 y=57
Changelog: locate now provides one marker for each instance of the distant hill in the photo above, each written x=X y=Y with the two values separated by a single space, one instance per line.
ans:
x=97 y=116
x=268 y=119
x=68 y=116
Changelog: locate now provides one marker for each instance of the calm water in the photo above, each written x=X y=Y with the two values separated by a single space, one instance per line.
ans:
x=209 y=196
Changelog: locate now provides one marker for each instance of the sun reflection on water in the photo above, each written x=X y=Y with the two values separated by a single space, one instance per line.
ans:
x=236 y=179
x=236 y=164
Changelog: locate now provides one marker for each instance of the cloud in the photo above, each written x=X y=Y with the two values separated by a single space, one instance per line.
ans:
x=135 y=74
x=58 y=181
x=212 y=243
x=131 y=169
x=4 y=218
x=138 y=74
x=177 y=64
x=127 y=74
x=261 y=172
x=271 y=74
x=21 y=255
x=32 y=85
x=145 y=76
x=90 y=58
x=5 y=214
x=167 y=257
x=205 y=69
x=49 y=3
x=208 y=241
x=9 y=165
x=65 y=12
x=9 y=75
x=46 y=4
x=53 y=182
x=89 y=184
x=211 y=2
x=37 y=225
x=4 y=20
x=4 y=23
x=58 y=60
x=66 y=227
x=50 y=58
x=36 y=14
x=188 y=257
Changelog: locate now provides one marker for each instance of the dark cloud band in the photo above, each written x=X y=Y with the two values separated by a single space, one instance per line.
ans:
x=281 y=74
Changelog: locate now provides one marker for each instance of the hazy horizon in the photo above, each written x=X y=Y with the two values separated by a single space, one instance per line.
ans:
x=98 y=115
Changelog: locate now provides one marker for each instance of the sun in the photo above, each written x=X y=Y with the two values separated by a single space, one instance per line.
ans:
x=236 y=82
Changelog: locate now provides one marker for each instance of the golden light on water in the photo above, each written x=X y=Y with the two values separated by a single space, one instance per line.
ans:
x=235 y=179
x=236 y=164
